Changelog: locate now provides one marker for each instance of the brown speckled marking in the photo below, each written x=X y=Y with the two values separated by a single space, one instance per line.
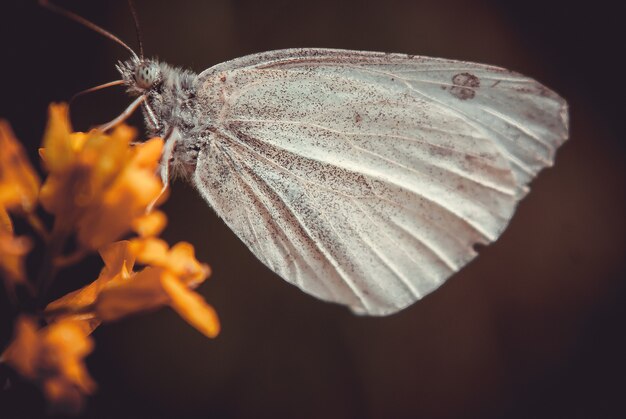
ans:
x=464 y=85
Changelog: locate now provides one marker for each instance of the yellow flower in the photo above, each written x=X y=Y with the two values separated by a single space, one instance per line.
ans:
x=98 y=184
x=99 y=188
x=19 y=183
x=53 y=357
x=127 y=199
x=166 y=280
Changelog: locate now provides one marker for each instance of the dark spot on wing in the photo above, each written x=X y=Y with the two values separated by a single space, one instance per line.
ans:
x=358 y=118
x=464 y=85
x=466 y=79
x=478 y=247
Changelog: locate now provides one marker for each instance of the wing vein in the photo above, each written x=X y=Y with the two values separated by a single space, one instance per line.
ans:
x=520 y=127
x=491 y=186
x=464 y=115
x=348 y=281
x=471 y=224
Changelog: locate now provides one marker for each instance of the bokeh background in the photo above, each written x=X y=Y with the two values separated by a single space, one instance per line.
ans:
x=534 y=328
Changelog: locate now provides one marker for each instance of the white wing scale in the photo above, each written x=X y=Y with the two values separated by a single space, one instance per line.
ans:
x=367 y=178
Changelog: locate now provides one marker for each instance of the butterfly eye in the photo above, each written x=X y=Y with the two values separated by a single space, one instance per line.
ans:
x=146 y=75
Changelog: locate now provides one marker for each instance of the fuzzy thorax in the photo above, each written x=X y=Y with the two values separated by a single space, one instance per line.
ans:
x=169 y=109
x=168 y=91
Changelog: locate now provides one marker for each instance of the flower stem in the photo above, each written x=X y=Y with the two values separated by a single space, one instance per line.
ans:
x=48 y=271
x=71 y=259
x=68 y=310
x=38 y=225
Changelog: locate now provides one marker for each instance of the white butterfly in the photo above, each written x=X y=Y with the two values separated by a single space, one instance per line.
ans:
x=363 y=178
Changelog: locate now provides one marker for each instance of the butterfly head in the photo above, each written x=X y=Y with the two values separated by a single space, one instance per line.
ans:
x=140 y=75
x=147 y=74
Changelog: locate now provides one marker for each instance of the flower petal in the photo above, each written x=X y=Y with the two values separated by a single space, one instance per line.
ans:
x=140 y=293
x=58 y=150
x=98 y=183
x=150 y=251
x=127 y=198
x=13 y=250
x=148 y=154
x=23 y=351
x=6 y=225
x=19 y=183
x=53 y=357
x=63 y=395
x=117 y=256
x=184 y=264
x=180 y=260
x=191 y=306
x=75 y=305
x=63 y=373
x=150 y=224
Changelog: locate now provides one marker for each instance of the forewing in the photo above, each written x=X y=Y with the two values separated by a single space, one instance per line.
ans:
x=367 y=178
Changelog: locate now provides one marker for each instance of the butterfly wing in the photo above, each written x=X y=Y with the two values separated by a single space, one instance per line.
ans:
x=367 y=178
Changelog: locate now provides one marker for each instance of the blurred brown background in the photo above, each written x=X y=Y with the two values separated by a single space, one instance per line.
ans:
x=534 y=328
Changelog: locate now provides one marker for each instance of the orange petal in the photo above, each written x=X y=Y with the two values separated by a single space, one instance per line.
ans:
x=75 y=300
x=69 y=339
x=118 y=262
x=98 y=183
x=13 y=251
x=148 y=154
x=63 y=346
x=180 y=260
x=104 y=157
x=19 y=183
x=140 y=293
x=63 y=396
x=58 y=150
x=22 y=353
x=191 y=306
x=125 y=200
x=150 y=224
x=116 y=256
x=56 y=194
x=183 y=263
x=53 y=358
x=150 y=251
x=6 y=225
x=124 y=133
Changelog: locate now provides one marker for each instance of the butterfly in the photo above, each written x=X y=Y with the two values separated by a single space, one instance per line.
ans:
x=363 y=178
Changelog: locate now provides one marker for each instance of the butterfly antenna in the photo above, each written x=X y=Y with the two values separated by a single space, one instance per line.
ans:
x=91 y=90
x=96 y=88
x=73 y=16
x=124 y=115
x=133 y=11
